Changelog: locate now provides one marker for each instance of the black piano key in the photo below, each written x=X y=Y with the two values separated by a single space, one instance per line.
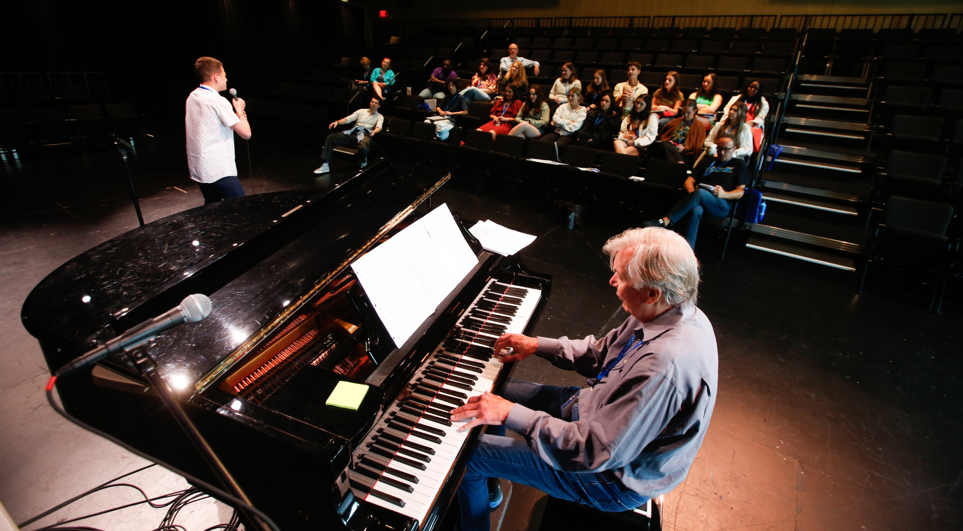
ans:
x=419 y=401
x=457 y=385
x=388 y=470
x=467 y=373
x=419 y=425
x=503 y=299
x=447 y=399
x=414 y=432
x=404 y=460
x=436 y=409
x=462 y=362
x=424 y=415
x=457 y=394
x=434 y=377
x=450 y=378
x=386 y=497
x=413 y=445
x=404 y=451
x=454 y=364
x=388 y=481
x=457 y=373
x=443 y=413
x=489 y=316
x=497 y=288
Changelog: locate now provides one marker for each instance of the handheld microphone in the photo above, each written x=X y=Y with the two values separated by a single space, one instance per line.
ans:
x=233 y=93
x=192 y=309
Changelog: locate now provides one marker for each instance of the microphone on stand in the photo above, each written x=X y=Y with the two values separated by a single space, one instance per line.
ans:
x=193 y=308
x=233 y=93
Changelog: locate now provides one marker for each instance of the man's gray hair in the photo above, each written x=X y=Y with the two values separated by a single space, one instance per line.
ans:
x=661 y=259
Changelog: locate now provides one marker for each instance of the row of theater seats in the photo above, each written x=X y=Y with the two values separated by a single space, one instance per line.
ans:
x=78 y=124
x=542 y=169
x=707 y=46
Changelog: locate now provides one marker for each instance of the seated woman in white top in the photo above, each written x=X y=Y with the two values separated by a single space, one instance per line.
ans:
x=757 y=108
x=568 y=120
x=564 y=84
x=736 y=126
x=708 y=98
x=639 y=128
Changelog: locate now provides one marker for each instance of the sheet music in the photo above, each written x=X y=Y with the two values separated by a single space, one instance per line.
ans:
x=408 y=276
x=499 y=239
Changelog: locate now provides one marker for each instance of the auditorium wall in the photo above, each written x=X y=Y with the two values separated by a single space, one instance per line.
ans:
x=609 y=8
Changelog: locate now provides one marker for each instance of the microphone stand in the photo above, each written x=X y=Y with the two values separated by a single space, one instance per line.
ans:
x=148 y=369
x=122 y=149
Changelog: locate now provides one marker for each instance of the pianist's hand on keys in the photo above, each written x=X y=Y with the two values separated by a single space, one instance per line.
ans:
x=483 y=409
x=514 y=347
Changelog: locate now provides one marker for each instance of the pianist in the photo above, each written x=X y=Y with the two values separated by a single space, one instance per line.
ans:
x=632 y=432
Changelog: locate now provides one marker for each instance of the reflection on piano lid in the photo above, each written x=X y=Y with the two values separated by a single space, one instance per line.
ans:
x=290 y=321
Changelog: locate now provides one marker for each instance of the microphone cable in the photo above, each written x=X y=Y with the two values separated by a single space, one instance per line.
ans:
x=190 y=478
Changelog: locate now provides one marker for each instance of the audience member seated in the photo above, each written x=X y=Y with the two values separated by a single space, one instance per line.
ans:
x=516 y=78
x=365 y=77
x=534 y=118
x=715 y=184
x=668 y=98
x=601 y=124
x=627 y=92
x=708 y=98
x=436 y=83
x=484 y=84
x=733 y=125
x=448 y=110
x=513 y=58
x=683 y=138
x=564 y=84
x=367 y=122
x=503 y=113
x=568 y=120
x=382 y=78
x=757 y=108
x=593 y=93
x=639 y=129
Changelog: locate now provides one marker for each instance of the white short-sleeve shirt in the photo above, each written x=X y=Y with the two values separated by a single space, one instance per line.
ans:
x=210 y=140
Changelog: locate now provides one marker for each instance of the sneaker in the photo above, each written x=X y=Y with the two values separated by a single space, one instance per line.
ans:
x=495 y=495
x=323 y=169
x=654 y=223
x=364 y=162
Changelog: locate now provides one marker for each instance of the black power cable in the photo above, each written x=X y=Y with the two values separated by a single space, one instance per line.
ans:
x=195 y=480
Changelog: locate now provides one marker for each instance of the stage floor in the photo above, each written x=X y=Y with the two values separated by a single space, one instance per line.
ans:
x=835 y=410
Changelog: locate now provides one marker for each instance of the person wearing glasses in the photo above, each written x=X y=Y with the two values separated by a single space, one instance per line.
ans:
x=715 y=185
x=633 y=430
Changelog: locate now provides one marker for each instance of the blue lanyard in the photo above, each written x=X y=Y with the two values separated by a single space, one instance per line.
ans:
x=599 y=119
x=205 y=87
x=625 y=350
x=504 y=108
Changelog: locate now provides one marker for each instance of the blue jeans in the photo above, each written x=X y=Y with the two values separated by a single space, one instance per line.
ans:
x=689 y=212
x=223 y=188
x=472 y=94
x=498 y=456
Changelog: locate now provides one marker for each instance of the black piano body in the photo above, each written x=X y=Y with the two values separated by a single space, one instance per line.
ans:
x=289 y=322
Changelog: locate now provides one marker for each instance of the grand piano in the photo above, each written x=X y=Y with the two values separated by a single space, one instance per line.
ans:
x=290 y=321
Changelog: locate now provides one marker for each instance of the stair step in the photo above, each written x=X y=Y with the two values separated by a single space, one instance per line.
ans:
x=818 y=151
x=814 y=164
x=816 y=132
x=807 y=190
x=808 y=202
x=805 y=237
x=834 y=87
x=827 y=108
x=798 y=252
x=822 y=123
x=838 y=100
x=834 y=79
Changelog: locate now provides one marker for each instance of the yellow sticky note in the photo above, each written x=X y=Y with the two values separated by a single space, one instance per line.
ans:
x=347 y=395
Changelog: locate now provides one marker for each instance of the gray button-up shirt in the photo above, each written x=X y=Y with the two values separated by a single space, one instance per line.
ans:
x=645 y=421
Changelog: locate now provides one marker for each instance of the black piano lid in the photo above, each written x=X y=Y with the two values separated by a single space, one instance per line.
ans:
x=115 y=285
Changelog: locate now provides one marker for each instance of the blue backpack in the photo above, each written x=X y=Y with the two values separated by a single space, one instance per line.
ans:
x=752 y=207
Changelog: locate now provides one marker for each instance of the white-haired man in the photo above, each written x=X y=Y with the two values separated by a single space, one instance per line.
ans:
x=633 y=431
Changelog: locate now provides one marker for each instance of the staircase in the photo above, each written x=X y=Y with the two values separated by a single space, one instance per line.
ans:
x=818 y=191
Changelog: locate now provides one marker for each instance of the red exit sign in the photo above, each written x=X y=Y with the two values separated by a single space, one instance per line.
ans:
x=383 y=13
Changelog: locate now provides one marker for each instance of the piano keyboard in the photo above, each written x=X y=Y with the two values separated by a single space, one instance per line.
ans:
x=408 y=455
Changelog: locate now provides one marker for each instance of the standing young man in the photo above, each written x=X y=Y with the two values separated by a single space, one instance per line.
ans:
x=211 y=123
x=367 y=123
